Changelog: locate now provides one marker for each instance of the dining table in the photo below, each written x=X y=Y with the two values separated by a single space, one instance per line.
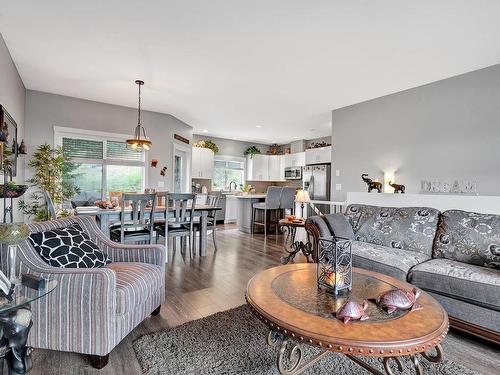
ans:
x=108 y=216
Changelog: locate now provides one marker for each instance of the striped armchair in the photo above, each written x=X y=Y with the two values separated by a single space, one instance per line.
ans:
x=92 y=310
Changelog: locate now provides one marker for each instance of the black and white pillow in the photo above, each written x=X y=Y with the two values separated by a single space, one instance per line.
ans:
x=68 y=247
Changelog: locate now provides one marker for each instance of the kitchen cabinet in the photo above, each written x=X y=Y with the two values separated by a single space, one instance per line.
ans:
x=202 y=163
x=297 y=159
x=274 y=168
x=258 y=168
x=231 y=215
x=319 y=155
x=264 y=168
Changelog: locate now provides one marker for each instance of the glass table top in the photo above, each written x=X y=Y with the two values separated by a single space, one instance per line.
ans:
x=24 y=295
x=306 y=296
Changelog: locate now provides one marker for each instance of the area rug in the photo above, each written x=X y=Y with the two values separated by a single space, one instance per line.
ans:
x=233 y=342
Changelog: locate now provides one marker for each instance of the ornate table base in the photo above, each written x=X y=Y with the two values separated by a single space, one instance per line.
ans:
x=292 y=247
x=290 y=358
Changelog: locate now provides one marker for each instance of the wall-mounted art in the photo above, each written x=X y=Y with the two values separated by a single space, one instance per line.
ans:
x=8 y=135
x=466 y=187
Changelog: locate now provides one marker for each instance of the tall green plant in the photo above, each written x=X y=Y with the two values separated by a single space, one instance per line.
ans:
x=53 y=173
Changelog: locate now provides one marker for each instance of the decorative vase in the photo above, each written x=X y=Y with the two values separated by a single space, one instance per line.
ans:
x=14 y=278
x=11 y=235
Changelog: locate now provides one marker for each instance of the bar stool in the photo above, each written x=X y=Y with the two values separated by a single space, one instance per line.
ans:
x=272 y=203
x=287 y=201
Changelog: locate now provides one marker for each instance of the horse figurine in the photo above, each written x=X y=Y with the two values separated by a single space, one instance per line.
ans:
x=398 y=188
x=371 y=184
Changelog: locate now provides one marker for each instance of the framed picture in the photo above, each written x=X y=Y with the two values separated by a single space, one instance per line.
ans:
x=8 y=134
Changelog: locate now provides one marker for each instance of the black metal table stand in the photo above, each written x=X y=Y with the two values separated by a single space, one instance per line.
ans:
x=292 y=247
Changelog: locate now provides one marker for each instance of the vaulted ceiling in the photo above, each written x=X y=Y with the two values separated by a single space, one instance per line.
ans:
x=260 y=70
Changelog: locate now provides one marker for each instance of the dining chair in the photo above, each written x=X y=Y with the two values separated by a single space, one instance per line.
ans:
x=212 y=201
x=140 y=227
x=51 y=209
x=272 y=204
x=178 y=220
x=287 y=200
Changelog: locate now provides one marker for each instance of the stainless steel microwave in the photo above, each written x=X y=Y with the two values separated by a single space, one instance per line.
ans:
x=293 y=173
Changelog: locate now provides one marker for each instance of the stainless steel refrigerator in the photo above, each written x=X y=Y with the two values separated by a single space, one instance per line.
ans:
x=317 y=181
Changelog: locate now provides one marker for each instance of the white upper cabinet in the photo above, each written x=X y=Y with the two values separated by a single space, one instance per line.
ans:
x=202 y=163
x=274 y=168
x=258 y=167
x=294 y=160
x=265 y=168
x=319 y=155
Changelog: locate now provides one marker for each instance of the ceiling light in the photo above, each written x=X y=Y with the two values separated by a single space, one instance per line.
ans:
x=295 y=137
x=273 y=141
x=140 y=140
x=205 y=131
x=258 y=126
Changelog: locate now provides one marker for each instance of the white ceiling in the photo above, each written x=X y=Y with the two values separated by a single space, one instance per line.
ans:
x=229 y=65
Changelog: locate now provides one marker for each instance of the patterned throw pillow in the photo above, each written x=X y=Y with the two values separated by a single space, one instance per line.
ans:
x=469 y=237
x=68 y=247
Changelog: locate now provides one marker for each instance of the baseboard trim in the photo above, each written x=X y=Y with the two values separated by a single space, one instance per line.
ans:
x=473 y=329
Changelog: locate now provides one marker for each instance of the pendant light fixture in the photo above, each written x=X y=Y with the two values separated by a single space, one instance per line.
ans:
x=140 y=140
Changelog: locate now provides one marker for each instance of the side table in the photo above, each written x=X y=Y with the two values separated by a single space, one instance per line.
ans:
x=15 y=324
x=290 y=244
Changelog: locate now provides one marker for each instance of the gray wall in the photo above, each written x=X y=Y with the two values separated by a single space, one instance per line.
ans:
x=231 y=147
x=445 y=130
x=44 y=111
x=12 y=93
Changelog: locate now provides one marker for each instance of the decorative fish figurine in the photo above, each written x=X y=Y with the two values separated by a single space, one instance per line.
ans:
x=399 y=299
x=352 y=310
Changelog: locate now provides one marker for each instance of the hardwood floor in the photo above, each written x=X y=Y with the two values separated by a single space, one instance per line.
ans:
x=202 y=286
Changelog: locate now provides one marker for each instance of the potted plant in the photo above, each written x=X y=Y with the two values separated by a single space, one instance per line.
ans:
x=207 y=143
x=53 y=173
x=12 y=190
x=252 y=150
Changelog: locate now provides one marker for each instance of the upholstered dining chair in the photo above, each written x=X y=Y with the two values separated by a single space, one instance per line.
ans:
x=93 y=309
x=139 y=227
x=272 y=204
x=178 y=220
x=212 y=201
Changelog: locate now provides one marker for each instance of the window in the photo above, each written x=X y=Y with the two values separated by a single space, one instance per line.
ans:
x=104 y=163
x=227 y=170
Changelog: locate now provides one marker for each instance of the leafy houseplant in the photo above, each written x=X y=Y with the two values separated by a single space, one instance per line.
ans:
x=53 y=173
x=252 y=151
x=207 y=143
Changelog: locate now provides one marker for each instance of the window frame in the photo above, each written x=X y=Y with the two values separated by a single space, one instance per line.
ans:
x=65 y=132
x=229 y=158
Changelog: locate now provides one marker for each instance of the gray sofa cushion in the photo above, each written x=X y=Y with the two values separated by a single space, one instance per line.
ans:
x=386 y=260
x=407 y=228
x=339 y=225
x=469 y=237
x=320 y=223
x=473 y=284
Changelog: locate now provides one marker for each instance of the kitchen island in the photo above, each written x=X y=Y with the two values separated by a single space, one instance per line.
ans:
x=245 y=203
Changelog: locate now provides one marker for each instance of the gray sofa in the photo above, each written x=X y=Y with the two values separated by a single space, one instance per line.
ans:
x=452 y=255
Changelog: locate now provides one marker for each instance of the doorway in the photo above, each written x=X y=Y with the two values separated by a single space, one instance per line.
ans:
x=182 y=166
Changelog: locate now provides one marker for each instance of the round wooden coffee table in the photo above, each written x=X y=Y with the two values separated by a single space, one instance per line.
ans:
x=286 y=298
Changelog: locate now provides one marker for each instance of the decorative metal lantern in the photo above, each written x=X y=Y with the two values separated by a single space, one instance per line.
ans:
x=334 y=264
